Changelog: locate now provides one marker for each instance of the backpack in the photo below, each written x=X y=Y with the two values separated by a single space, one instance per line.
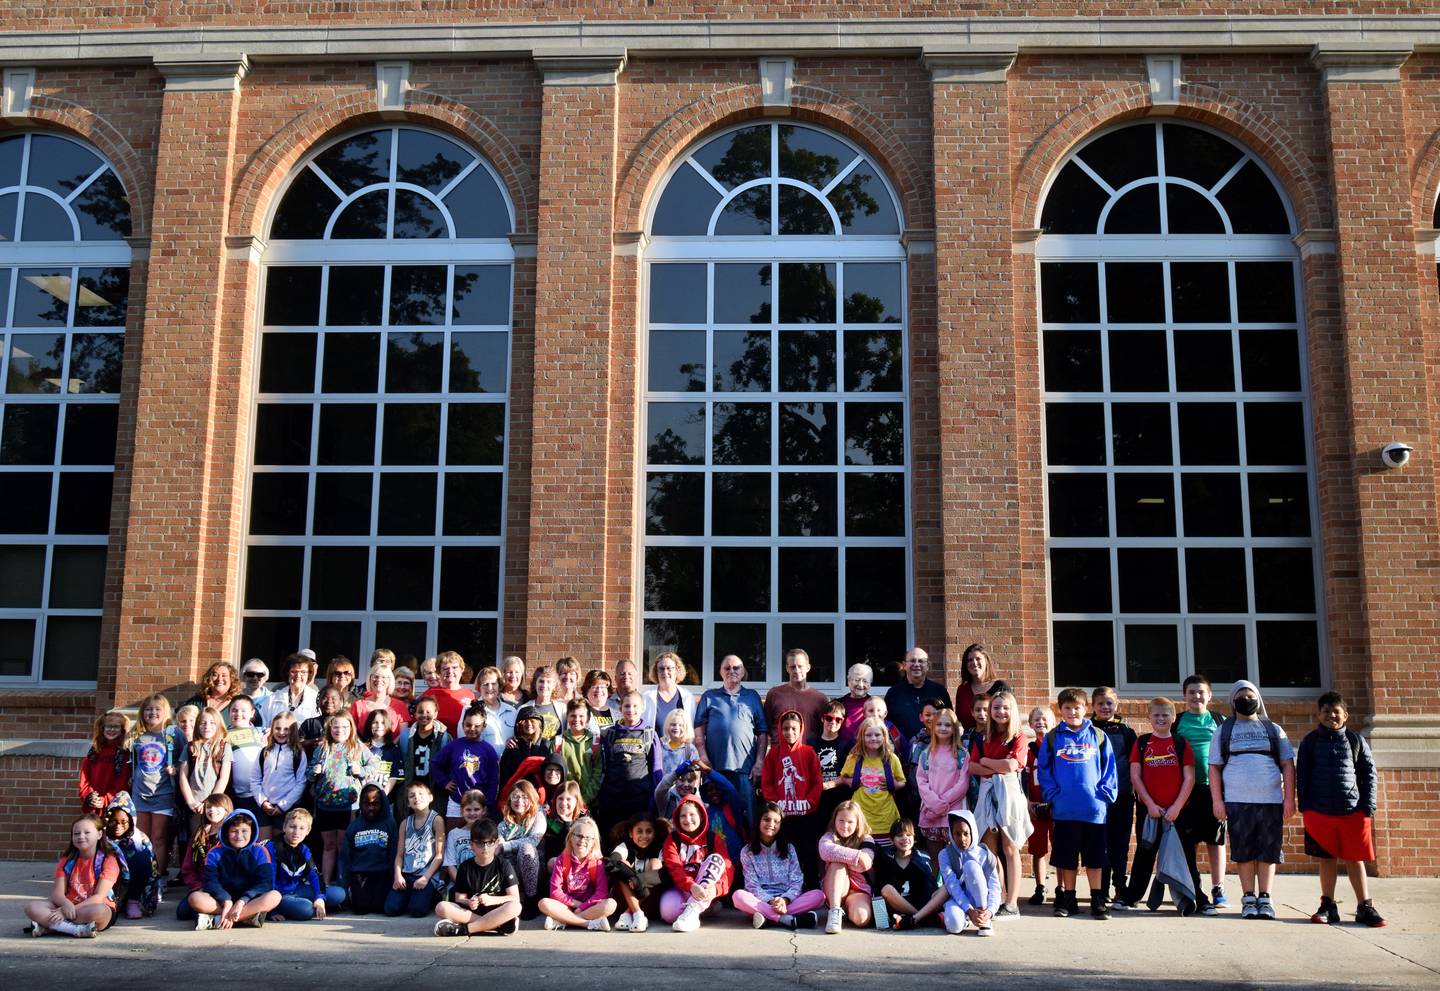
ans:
x=122 y=882
x=1272 y=733
x=1143 y=742
x=860 y=763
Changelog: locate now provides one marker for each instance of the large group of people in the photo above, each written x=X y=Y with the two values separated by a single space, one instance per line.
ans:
x=602 y=801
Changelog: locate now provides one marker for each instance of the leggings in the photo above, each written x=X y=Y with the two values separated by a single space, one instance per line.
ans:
x=750 y=904
x=974 y=887
x=526 y=861
x=672 y=903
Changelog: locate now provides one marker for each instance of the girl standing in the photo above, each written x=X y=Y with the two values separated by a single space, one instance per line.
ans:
x=380 y=738
x=280 y=775
x=205 y=770
x=155 y=747
x=677 y=743
x=1001 y=812
x=875 y=775
x=341 y=767
x=942 y=776
x=105 y=771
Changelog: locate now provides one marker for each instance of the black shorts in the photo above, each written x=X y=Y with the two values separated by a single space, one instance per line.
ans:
x=1197 y=820
x=1257 y=832
x=1071 y=842
x=332 y=820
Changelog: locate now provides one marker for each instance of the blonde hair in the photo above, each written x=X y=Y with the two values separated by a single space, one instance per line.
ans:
x=584 y=826
x=862 y=825
x=1161 y=703
x=299 y=815
x=293 y=742
x=887 y=749
x=184 y=711
x=954 y=735
x=679 y=715
x=327 y=742
x=167 y=717
x=99 y=739
x=382 y=656
x=1041 y=708
x=218 y=744
x=1013 y=729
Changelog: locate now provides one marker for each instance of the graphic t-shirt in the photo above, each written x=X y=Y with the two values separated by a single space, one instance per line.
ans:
x=1161 y=771
x=1251 y=775
x=832 y=757
x=152 y=755
x=493 y=878
x=419 y=844
x=457 y=847
x=874 y=795
x=80 y=885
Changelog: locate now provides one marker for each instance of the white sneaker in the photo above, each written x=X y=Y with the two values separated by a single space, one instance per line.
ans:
x=757 y=920
x=1249 y=907
x=204 y=921
x=639 y=922
x=552 y=925
x=984 y=929
x=689 y=919
x=622 y=924
x=35 y=929
x=834 y=920
x=600 y=925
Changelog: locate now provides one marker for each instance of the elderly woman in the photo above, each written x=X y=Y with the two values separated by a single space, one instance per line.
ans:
x=667 y=694
x=218 y=688
x=858 y=679
x=977 y=677
x=380 y=694
x=499 y=712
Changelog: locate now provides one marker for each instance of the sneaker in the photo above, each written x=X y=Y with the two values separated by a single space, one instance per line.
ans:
x=786 y=921
x=204 y=921
x=1099 y=906
x=985 y=928
x=84 y=931
x=1120 y=905
x=1367 y=916
x=600 y=925
x=274 y=917
x=447 y=928
x=132 y=910
x=1209 y=909
x=1217 y=896
x=552 y=925
x=834 y=919
x=507 y=928
x=1062 y=904
x=258 y=920
x=1249 y=908
x=689 y=919
x=1264 y=907
x=806 y=920
x=1039 y=897
x=1328 y=913
x=639 y=922
x=1009 y=910
x=902 y=922
x=757 y=920
x=35 y=929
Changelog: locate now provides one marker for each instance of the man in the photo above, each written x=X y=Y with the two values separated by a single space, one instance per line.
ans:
x=255 y=676
x=627 y=680
x=450 y=696
x=731 y=732
x=905 y=699
x=797 y=694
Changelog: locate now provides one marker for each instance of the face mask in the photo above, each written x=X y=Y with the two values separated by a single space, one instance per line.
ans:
x=1247 y=706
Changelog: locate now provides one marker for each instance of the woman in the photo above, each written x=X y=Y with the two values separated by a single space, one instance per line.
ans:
x=298 y=698
x=666 y=694
x=499 y=713
x=218 y=688
x=380 y=694
x=977 y=677
x=512 y=681
x=858 y=679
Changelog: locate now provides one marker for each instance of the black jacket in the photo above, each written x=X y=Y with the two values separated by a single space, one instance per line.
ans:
x=1335 y=773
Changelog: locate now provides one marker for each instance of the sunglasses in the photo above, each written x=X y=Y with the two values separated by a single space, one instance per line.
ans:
x=832 y=719
x=254 y=674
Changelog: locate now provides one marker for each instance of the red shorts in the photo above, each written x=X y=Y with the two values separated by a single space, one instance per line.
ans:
x=1348 y=837
x=1039 y=842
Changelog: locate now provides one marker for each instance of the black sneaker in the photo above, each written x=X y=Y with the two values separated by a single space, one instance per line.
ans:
x=1062 y=903
x=806 y=920
x=1039 y=897
x=1328 y=913
x=258 y=920
x=1099 y=906
x=447 y=928
x=901 y=922
x=1367 y=916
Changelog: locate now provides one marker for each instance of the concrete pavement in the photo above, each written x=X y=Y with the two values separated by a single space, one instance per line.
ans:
x=1137 y=950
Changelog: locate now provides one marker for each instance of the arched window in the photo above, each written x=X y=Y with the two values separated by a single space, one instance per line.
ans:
x=64 y=288
x=775 y=415
x=1179 y=464
x=376 y=505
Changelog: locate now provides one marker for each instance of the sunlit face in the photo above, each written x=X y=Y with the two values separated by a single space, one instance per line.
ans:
x=485 y=850
x=846 y=823
x=255 y=677
x=1333 y=717
x=831 y=722
x=1197 y=697
x=631 y=709
x=84 y=835
x=582 y=843
x=431 y=673
x=576 y=720
x=688 y=784
x=518 y=800
x=425 y=714
x=790 y=731
x=117 y=824
x=927 y=716
x=295 y=832
x=875 y=708
x=550 y=776
x=1105 y=706
x=404 y=687
x=545 y=686
x=488 y=688
x=280 y=730
x=206 y=726
x=186 y=724
x=568 y=682
x=944 y=727
x=688 y=818
x=418 y=798
x=221 y=682
x=474 y=725
x=1001 y=713
x=297 y=677
x=379 y=724
x=643 y=834
x=665 y=671
x=1042 y=721
x=917 y=666
x=450 y=673
x=527 y=729
x=381 y=682
x=242 y=711
x=342 y=677
x=472 y=813
x=237 y=834
x=769 y=826
x=340 y=730
x=627 y=677
x=960 y=833
x=599 y=694
x=1161 y=719
x=874 y=740
x=904 y=842
x=215 y=814
x=797 y=666
x=980 y=712
x=1073 y=713
x=976 y=664
x=331 y=702
x=732 y=672
x=859 y=684
x=511 y=675
x=675 y=730
x=566 y=805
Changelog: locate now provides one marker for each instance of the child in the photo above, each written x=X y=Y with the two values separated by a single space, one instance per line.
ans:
x=528 y=744
x=698 y=863
x=907 y=879
x=1252 y=787
x=338 y=769
x=831 y=753
x=239 y=879
x=185 y=719
x=457 y=842
x=677 y=744
x=367 y=856
x=419 y=851
x=1042 y=721
x=246 y=743
x=1077 y=777
x=381 y=741
x=773 y=878
x=1196 y=726
x=579 y=889
x=975 y=737
x=213 y=812
x=1162 y=775
x=565 y=807
x=542 y=697
x=297 y=879
x=634 y=866
x=970 y=878
x=142 y=895
x=579 y=748
x=848 y=852
x=875 y=775
x=422 y=741
x=312 y=731
x=791 y=778
x=942 y=776
x=1120 y=816
x=280 y=775
x=486 y=898
x=466 y=763
x=629 y=763
x=82 y=899
x=155 y=747
x=205 y=769
x=1335 y=787
x=522 y=831
x=105 y=771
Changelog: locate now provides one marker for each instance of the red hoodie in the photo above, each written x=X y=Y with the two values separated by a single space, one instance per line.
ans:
x=106 y=771
x=791 y=776
x=683 y=853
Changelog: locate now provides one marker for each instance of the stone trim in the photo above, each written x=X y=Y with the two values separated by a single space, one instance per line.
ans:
x=44 y=748
x=580 y=67
x=1359 y=62
x=973 y=64
x=1315 y=242
x=203 y=73
x=1409 y=740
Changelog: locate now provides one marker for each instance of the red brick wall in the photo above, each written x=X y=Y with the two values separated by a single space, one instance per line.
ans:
x=39 y=798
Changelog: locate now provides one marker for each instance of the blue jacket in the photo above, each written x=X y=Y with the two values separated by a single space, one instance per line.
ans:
x=295 y=872
x=1078 y=777
x=369 y=846
x=1328 y=777
x=233 y=873
x=952 y=869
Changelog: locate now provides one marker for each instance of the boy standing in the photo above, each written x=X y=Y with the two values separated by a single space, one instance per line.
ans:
x=1162 y=773
x=486 y=897
x=1335 y=786
x=1252 y=788
x=1197 y=822
x=1120 y=816
x=1076 y=770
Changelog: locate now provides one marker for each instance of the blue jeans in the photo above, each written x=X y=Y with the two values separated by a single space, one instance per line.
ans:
x=417 y=903
x=335 y=896
x=295 y=908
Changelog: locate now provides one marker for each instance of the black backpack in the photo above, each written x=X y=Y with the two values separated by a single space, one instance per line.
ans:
x=1272 y=733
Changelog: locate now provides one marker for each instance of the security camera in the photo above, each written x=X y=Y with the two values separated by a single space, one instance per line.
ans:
x=1395 y=455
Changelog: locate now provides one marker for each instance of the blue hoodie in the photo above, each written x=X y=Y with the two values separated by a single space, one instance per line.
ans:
x=1078 y=779
x=953 y=861
x=369 y=846
x=235 y=873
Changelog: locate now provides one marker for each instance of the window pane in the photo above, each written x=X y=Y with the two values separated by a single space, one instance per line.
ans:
x=334 y=638
x=102 y=209
x=677 y=433
x=414 y=362
x=417 y=217
x=1069 y=292
x=747 y=642
x=404 y=638
x=1084 y=652
x=1079 y=579
x=875 y=580
x=404 y=577
x=1212 y=505
x=417 y=295
x=355 y=295
x=282 y=434
x=477 y=206
x=809 y=579
x=473 y=504
x=811 y=156
x=1253 y=204
x=742 y=293
x=428 y=160
x=1265 y=291
x=677 y=293
x=95 y=362
x=742 y=434
x=677 y=636
x=474 y=638
x=1149 y=579
x=864 y=204
x=1135 y=292
x=1152 y=653
x=747 y=213
x=807 y=361
x=27 y=436
x=1078 y=506
x=482 y=296
x=1220 y=652
x=72 y=648
x=1200 y=292
x=807 y=503
x=358 y=161
x=9 y=206
x=742 y=360
x=1123 y=155
x=738 y=157
x=740 y=579
x=874 y=504
x=1139 y=361
x=363 y=218
x=83 y=503
x=873 y=293
x=1215 y=579
x=1188 y=212
x=272 y=577
x=677 y=361
x=1144 y=505
x=287 y=363
x=303 y=214
x=807 y=293
x=412 y=433
x=479 y=362
x=1074 y=433
x=292 y=296
x=102 y=299
x=17 y=647
x=1208 y=435
x=272 y=638
x=60 y=165
x=740 y=504
x=1284 y=579
x=1279 y=505
x=1136 y=212
x=874 y=434
x=35 y=363
x=470 y=579
x=352 y=363
x=1275 y=433
x=1204 y=361
x=1270 y=360
x=675 y=503
x=476 y=435
x=342 y=503
x=674 y=579
x=685 y=206
x=27 y=502
x=277 y=504
x=1197 y=155
x=874 y=361
x=77 y=578
x=817 y=640
x=407 y=504
x=1289 y=653
x=347 y=434
x=1072 y=361
x=22 y=577
x=876 y=642
x=1141 y=433
x=1073 y=204
x=45 y=220
x=807 y=433
x=802 y=212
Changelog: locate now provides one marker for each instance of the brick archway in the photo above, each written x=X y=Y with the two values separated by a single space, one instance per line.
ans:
x=262 y=178
x=674 y=136
x=1426 y=181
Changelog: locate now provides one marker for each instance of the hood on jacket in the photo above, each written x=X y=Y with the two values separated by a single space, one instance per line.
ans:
x=1240 y=686
x=239 y=814
x=558 y=762
x=368 y=791
x=695 y=838
x=121 y=803
x=780 y=743
x=975 y=850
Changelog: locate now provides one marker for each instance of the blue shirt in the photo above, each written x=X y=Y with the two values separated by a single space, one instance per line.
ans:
x=732 y=722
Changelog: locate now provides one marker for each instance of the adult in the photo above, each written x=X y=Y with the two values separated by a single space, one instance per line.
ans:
x=499 y=711
x=858 y=679
x=595 y=690
x=380 y=694
x=796 y=694
x=451 y=698
x=512 y=680
x=255 y=679
x=627 y=680
x=667 y=694
x=977 y=677
x=731 y=732
x=298 y=697
x=905 y=699
x=218 y=688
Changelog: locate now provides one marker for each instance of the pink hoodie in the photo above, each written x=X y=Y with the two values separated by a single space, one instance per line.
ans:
x=943 y=784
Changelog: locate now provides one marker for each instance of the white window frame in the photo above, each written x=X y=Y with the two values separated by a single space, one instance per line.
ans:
x=1231 y=248
x=773 y=248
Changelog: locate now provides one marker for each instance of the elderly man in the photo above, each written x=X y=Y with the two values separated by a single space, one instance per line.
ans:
x=731 y=733
x=627 y=680
x=905 y=699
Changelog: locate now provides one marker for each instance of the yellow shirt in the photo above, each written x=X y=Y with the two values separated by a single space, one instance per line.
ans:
x=872 y=795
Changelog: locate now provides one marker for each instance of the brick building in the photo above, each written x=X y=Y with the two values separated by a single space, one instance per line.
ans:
x=597 y=331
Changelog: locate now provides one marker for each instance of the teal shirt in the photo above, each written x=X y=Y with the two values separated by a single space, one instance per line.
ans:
x=1197 y=731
